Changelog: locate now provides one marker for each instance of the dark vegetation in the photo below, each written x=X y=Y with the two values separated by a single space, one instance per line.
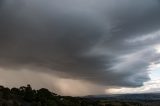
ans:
x=26 y=96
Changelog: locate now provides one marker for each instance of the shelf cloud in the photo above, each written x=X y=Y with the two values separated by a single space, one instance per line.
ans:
x=105 y=42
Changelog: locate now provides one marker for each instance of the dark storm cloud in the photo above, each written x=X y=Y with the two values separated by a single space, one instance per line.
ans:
x=87 y=40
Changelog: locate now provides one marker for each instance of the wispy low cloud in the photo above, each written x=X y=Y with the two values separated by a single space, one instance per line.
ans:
x=106 y=43
x=152 y=86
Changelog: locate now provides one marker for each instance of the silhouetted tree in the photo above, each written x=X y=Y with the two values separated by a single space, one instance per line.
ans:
x=15 y=91
x=6 y=93
x=28 y=93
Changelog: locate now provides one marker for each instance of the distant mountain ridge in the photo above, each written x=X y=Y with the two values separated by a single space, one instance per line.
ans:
x=143 y=96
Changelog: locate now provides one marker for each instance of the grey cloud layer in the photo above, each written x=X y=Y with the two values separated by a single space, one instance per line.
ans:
x=87 y=40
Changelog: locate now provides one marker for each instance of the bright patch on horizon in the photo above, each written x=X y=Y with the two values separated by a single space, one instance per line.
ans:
x=157 y=47
x=152 y=86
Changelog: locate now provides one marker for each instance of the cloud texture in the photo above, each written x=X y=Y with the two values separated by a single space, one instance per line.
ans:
x=105 y=42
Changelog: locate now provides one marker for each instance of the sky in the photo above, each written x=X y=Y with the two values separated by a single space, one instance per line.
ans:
x=81 y=47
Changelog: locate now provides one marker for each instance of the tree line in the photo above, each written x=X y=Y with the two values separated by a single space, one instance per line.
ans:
x=26 y=96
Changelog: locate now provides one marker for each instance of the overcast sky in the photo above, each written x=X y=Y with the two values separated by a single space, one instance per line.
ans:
x=81 y=47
